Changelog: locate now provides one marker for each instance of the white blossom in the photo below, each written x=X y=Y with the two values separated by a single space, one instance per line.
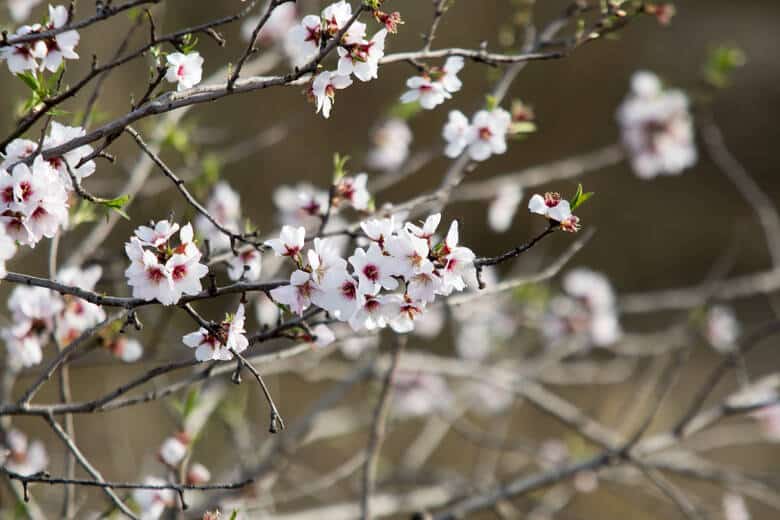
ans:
x=186 y=70
x=456 y=133
x=354 y=190
x=290 y=242
x=24 y=458
x=722 y=328
x=23 y=56
x=173 y=450
x=61 y=134
x=245 y=265
x=362 y=59
x=62 y=45
x=297 y=295
x=373 y=269
x=220 y=343
x=657 y=128
x=153 y=502
x=427 y=92
x=20 y=9
x=324 y=89
x=283 y=18
x=224 y=205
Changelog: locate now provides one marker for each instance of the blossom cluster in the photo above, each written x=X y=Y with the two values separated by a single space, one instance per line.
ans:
x=483 y=137
x=556 y=209
x=358 y=56
x=38 y=314
x=161 y=270
x=657 y=128
x=390 y=282
x=46 y=53
x=588 y=307
x=221 y=341
x=435 y=85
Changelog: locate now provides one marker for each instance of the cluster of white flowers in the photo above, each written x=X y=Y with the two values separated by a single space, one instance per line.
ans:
x=392 y=280
x=23 y=457
x=435 y=85
x=483 y=137
x=50 y=51
x=589 y=307
x=358 y=56
x=37 y=313
x=554 y=208
x=220 y=342
x=158 y=269
x=391 y=145
x=186 y=70
x=657 y=128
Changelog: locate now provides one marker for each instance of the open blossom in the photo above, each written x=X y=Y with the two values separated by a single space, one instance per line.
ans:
x=219 y=344
x=410 y=254
x=159 y=270
x=297 y=294
x=657 y=128
x=303 y=40
x=483 y=137
x=374 y=311
x=153 y=502
x=552 y=206
x=60 y=46
x=24 y=56
x=247 y=265
x=184 y=69
x=224 y=205
x=128 y=350
x=503 y=208
x=33 y=202
x=391 y=143
x=380 y=230
x=354 y=191
x=428 y=228
x=362 y=58
x=78 y=315
x=61 y=134
x=24 y=458
x=290 y=242
x=374 y=270
x=324 y=258
x=34 y=311
x=436 y=85
x=301 y=205
x=324 y=88
x=338 y=294
x=456 y=260
x=198 y=474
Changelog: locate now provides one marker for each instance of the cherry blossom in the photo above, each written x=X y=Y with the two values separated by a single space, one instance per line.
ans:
x=362 y=58
x=428 y=228
x=298 y=294
x=62 y=45
x=158 y=270
x=18 y=150
x=303 y=40
x=483 y=137
x=339 y=294
x=436 y=85
x=456 y=260
x=128 y=350
x=34 y=311
x=184 y=69
x=373 y=311
x=61 y=134
x=33 y=202
x=153 y=502
x=245 y=265
x=551 y=205
x=324 y=335
x=78 y=315
x=657 y=128
x=324 y=88
x=289 y=243
x=374 y=270
x=324 y=258
x=456 y=133
x=198 y=474
x=354 y=191
x=301 y=205
x=222 y=340
x=380 y=230
x=391 y=145
x=24 y=458
x=410 y=254
x=23 y=56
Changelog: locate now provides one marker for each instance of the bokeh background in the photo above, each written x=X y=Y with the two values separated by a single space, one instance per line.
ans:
x=650 y=234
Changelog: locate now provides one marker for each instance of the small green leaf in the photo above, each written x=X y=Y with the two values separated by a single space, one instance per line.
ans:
x=339 y=167
x=31 y=80
x=721 y=62
x=579 y=197
x=234 y=514
x=491 y=102
x=117 y=205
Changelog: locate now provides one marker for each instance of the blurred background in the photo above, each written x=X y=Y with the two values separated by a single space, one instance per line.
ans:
x=657 y=234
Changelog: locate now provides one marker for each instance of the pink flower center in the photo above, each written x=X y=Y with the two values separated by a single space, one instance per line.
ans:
x=348 y=290
x=180 y=71
x=485 y=133
x=371 y=272
x=551 y=199
x=155 y=275
x=372 y=305
x=179 y=272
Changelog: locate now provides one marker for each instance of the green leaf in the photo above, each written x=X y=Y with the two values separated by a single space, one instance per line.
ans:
x=83 y=213
x=190 y=403
x=491 y=102
x=117 y=205
x=721 y=63
x=234 y=514
x=339 y=167
x=31 y=80
x=579 y=197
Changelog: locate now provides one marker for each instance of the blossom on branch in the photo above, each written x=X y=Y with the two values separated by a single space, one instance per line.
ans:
x=220 y=341
x=185 y=70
